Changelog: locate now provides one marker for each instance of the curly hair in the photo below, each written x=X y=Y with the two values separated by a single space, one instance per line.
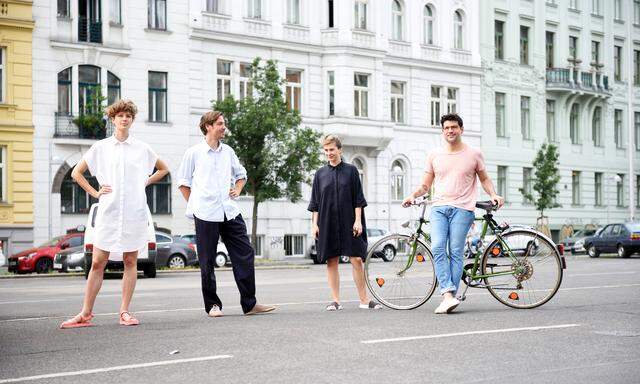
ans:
x=122 y=106
x=208 y=118
x=451 y=117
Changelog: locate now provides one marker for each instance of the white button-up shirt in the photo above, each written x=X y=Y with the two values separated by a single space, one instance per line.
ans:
x=121 y=222
x=211 y=174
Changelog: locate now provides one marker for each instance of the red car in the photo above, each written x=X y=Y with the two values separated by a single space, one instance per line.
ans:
x=40 y=259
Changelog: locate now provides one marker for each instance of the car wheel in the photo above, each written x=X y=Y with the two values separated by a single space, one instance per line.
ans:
x=221 y=259
x=592 y=251
x=176 y=261
x=150 y=271
x=44 y=265
x=622 y=252
x=344 y=259
x=388 y=253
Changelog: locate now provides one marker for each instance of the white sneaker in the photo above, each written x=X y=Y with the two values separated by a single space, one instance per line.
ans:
x=447 y=306
x=215 y=311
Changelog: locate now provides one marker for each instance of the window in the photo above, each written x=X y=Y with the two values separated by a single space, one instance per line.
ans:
x=637 y=191
x=88 y=88
x=213 y=6
x=435 y=105
x=293 y=11
x=397 y=102
x=427 y=25
x=596 y=7
x=396 y=20
x=63 y=8
x=246 y=87
x=438 y=101
x=163 y=238
x=617 y=10
x=74 y=199
x=573 y=4
x=330 y=15
x=550 y=37
x=527 y=184
x=598 y=188
x=113 y=88
x=294 y=89
x=159 y=195
x=620 y=190
x=452 y=100
x=595 y=52
x=115 y=11
x=157 y=14
x=259 y=245
x=617 y=126
x=64 y=92
x=574 y=125
x=502 y=181
x=551 y=120
x=398 y=174
x=294 y=245
x=360 y=167
x=575 y=187
x=573 y=47
x=636 y=67
x=360 y=95
x=617 y=62
x=3 y=173
x=360 y=14
x=2 y=74
x=636 y=118
x=158 y=96
x=332 y=93
x=223 y=82
x=254 y=9
x=458 y=30
x=524 y=45
x=499 y=39
x=636 y=11
x=596 y=127
x=525 y=117
x=500 y=115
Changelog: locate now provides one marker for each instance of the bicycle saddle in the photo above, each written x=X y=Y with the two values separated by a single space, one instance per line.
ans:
x=486 y=205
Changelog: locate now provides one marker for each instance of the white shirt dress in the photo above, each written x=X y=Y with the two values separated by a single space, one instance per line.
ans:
x=121 y=222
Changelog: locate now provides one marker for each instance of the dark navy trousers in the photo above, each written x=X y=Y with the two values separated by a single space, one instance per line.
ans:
x=242 y=255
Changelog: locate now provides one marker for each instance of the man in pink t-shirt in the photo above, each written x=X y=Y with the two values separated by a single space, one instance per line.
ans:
x=452 y=170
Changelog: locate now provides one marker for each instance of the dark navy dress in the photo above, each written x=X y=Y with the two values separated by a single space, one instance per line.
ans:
x=336 y=193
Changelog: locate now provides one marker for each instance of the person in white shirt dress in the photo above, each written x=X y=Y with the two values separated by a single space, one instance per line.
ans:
x=210 y=177
x=122 y=165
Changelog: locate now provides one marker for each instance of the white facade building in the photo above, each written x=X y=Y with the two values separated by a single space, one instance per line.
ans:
x=377 y=73
x=558 y=71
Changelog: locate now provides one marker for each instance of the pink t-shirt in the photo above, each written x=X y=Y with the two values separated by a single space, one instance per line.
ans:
x=455 y=173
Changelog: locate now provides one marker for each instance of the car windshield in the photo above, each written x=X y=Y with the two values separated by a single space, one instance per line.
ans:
x=51 y=242
x=578 y=233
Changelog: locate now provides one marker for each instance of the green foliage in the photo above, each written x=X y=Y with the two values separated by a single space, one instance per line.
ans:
x=547 y=176
x=91 y=123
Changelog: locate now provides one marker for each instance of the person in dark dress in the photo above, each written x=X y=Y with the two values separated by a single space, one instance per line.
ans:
x=337 y=205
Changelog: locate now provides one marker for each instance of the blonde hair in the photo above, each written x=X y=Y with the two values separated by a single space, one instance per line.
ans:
x=332 y=139
x=122 y=106
x=208 y=118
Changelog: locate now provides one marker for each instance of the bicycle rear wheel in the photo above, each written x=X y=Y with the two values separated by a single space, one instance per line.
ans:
x=400 y=272
x=534 y=264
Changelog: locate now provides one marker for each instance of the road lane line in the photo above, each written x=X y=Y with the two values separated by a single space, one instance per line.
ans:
x=116 y=368
x=118 y=295
x=602 y=273
x=443 y=335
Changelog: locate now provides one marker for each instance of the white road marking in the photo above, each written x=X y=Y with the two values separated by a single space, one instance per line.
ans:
x=72 y=298
x=505 y=330
x=116 y=368
x=602 y=273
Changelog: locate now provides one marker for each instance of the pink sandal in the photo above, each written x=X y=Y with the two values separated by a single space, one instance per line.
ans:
x=127 y=319
x=78 y=321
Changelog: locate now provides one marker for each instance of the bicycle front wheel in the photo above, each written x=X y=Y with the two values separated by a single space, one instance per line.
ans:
x=526 y=269
x=400 y=272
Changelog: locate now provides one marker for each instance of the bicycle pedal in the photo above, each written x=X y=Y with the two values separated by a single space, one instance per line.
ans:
x=461 y=298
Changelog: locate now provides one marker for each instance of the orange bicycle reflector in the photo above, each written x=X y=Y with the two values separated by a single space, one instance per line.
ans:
x=380 y=281
x=420 y=258
x=513 y=296
x=495 y=251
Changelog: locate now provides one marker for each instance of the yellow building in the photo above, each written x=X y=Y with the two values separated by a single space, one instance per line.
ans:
x=16 y=126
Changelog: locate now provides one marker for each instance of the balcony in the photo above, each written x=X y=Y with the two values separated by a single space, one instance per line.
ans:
x=66 y=128
x=215 y=22
x=575 y=80
x=89 y=31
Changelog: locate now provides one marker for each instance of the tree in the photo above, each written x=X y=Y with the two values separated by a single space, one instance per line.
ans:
x=546 y=179
x=278 y=154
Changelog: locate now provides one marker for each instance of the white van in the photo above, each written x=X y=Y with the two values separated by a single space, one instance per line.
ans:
x=146 y=256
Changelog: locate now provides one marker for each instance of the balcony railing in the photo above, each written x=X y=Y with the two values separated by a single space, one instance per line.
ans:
x=571 y=79
x=66 y=128
x=89 y=31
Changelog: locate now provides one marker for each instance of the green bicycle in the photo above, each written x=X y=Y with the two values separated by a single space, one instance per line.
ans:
x=521 y=267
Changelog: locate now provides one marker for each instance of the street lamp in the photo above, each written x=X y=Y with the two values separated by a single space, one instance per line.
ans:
x=613 y=179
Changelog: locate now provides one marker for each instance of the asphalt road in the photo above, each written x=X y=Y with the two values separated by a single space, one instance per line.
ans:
x=588 y=333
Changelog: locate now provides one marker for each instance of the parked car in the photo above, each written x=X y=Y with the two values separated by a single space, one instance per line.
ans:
x=578 y=247
x=222 y=256
x=40 y=258
x=570 y=242
x=388 y=252
x=146 y=256
x=623 y=238
x=174 y=252
x=70 y=259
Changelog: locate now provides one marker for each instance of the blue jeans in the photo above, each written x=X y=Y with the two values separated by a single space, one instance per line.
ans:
x=449 y=227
